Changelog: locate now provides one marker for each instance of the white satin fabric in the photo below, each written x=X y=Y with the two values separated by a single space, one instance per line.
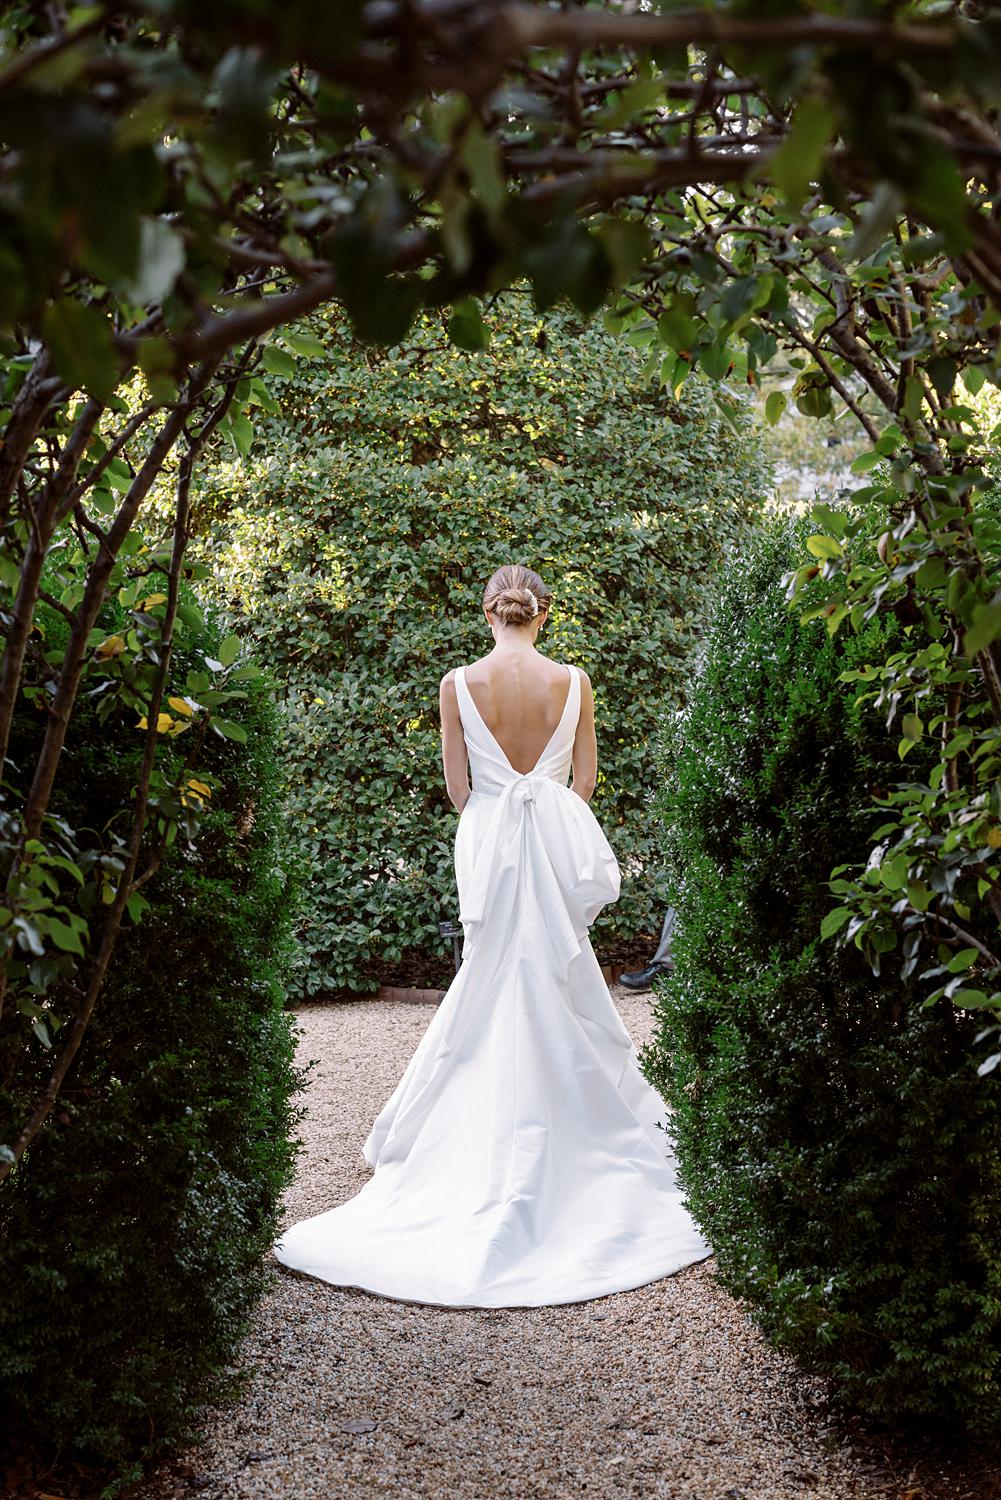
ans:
x=521 y=1160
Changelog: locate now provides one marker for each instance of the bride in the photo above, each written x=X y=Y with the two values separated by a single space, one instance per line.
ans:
x=522 y=1159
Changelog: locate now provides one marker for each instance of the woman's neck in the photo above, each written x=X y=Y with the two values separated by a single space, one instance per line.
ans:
x=512 y=644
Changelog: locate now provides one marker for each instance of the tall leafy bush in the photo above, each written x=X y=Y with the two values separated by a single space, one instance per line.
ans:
x=838 y=1147
x=354 y=540
x=133 y=1230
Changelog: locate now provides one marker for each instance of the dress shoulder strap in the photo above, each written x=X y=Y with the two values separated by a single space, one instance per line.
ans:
x=573 y=702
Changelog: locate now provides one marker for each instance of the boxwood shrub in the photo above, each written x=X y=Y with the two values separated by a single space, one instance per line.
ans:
x=838 y=1148
x=132 y=1234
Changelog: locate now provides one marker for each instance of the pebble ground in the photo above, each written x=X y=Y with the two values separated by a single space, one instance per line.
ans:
x=667 y=1391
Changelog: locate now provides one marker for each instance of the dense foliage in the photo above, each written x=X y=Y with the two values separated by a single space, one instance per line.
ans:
x=132 y=1230
x=838 y=1147
x=183 y=179
x=352 y=547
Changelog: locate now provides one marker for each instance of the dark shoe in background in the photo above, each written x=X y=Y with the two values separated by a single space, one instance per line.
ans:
x=642 y=979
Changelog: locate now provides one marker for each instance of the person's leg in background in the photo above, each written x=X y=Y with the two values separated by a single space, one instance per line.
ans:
x=661 y=963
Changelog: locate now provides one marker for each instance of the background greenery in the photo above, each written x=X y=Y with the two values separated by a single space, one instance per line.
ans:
x=184 y=179
x=352 y=545
x=838 y=1148
x=133 y=1230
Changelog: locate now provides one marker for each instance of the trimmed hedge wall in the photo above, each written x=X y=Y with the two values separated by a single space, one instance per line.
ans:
x=838 y=1149
x=353 y=553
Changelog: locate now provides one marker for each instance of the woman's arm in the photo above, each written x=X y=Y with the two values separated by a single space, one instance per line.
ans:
x=453 y=743
x=585 y=746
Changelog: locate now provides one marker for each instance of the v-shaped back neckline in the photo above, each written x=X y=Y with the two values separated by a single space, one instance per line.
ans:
x=497 y=745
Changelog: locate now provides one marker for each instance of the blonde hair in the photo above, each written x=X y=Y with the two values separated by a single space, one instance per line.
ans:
x=515 y=595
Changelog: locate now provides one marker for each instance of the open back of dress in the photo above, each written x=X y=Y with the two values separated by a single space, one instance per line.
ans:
x=522 y=1158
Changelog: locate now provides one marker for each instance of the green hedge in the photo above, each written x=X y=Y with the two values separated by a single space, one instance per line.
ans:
x=132 y=1234
x=354 y=543
x=838 y=1148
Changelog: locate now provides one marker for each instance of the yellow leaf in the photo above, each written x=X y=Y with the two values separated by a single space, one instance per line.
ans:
x=195 y=793
x=181 y=706
x=994 y=837
x=113 y=646
x=163 y=723
x=153 y=599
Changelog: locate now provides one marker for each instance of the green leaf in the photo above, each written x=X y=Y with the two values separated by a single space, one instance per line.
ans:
x=277 y=361
x=918 y=895
x=79 y=338
x=157 y=359
x=230 y=730
x=190 y=615
x=973 y=378
x=68 y=865
x=716 y=360
x=970 y=999
x=775 y=405
x=568 y=262
x=824 y=546
x=64 y=936
x=796 y=163
x=938 y=188
x=384 y=316
x=240 y=431
x=913 y=398
x=137 y=906
x=835 y=618
x=836 y=521
x=306 y=344
x=962 y=960
x=741 y=295
x=942 y=374
x=627 y=245
x=466 y=328
x=893 y=873
x=630 y=102
x=912 y=727
x=677 y=327
x=985 y=628
x=834 y=921
x=481 y=157
x=814 y=401
x=229 y=650
x=118 y=476
x=876 y=222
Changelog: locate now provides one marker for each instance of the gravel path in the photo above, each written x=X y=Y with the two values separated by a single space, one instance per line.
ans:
x=664 y=1391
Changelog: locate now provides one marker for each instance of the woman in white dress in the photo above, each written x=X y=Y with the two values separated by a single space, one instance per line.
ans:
x=522 y=1158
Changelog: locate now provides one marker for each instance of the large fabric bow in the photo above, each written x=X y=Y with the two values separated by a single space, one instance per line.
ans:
x=543 y=859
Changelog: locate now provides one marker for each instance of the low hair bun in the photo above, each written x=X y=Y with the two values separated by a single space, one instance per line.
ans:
x=515 y=606
x=515 y=595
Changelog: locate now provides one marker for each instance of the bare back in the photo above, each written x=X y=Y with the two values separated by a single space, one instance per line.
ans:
x=520 y=696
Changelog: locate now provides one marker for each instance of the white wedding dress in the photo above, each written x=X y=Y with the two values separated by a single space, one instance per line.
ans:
x=521 y=1160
